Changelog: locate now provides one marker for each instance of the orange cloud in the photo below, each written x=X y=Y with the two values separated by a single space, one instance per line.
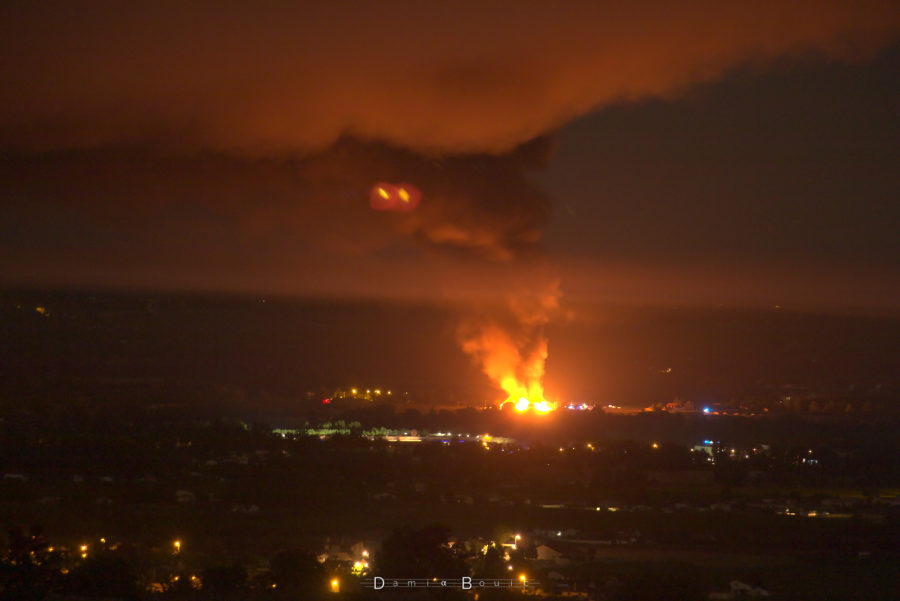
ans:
x=288 y=77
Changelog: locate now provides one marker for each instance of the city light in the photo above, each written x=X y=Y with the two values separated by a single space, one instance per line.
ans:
x=335 y=586
x=177 y=545
x=579 y=407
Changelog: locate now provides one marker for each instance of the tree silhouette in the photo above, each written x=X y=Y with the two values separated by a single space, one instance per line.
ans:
x=492 y=564
x=295 y=568
x=103 y=575
x=424 y=553
x=225 y=579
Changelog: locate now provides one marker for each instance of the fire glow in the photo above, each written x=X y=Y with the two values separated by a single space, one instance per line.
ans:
x=512 y=352
x=532 y=399
x=506 y=338
x=524 y=404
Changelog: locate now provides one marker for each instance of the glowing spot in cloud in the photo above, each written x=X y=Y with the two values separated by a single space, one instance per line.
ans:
x=383 y=197
x=400 y=198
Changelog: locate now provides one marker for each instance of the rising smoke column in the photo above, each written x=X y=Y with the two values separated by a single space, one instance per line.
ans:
x=512 y=349
x=484 y=209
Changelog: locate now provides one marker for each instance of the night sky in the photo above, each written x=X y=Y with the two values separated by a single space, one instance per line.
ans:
x=708 y=154
x=569 y=156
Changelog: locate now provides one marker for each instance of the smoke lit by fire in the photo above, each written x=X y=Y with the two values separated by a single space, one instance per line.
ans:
x=512 y=350
x=482 y=211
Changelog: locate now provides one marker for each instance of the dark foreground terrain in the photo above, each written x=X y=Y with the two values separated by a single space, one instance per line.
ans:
x=141 y=458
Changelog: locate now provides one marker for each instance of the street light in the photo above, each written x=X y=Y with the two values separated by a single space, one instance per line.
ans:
x=177 y=545
x=335 y=586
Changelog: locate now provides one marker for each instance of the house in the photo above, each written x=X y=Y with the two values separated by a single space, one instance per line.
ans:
x=742 y=590
x=739 y=590
x=550 y=555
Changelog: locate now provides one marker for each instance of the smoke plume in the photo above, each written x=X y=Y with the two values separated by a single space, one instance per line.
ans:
x=234 y=146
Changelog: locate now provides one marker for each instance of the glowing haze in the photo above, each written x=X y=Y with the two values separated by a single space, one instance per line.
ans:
x=239 y=146
x=512 y=351
x=282 y=77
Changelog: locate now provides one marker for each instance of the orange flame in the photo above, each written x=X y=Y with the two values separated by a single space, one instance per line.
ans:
x=514 y=357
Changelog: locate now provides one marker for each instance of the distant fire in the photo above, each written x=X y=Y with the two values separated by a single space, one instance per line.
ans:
x=512 y=352
x=523 y=397
x=524 y=404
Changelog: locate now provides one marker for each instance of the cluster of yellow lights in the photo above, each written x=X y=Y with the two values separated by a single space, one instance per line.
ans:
x=376 y=392
x=359 y=567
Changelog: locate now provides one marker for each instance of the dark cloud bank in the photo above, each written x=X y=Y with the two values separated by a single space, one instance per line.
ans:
x=232 y=146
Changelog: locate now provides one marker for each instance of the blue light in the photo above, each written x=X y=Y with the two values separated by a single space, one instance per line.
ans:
x=706 y=410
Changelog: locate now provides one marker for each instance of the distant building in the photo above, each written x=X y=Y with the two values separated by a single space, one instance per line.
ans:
x=550 y=555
